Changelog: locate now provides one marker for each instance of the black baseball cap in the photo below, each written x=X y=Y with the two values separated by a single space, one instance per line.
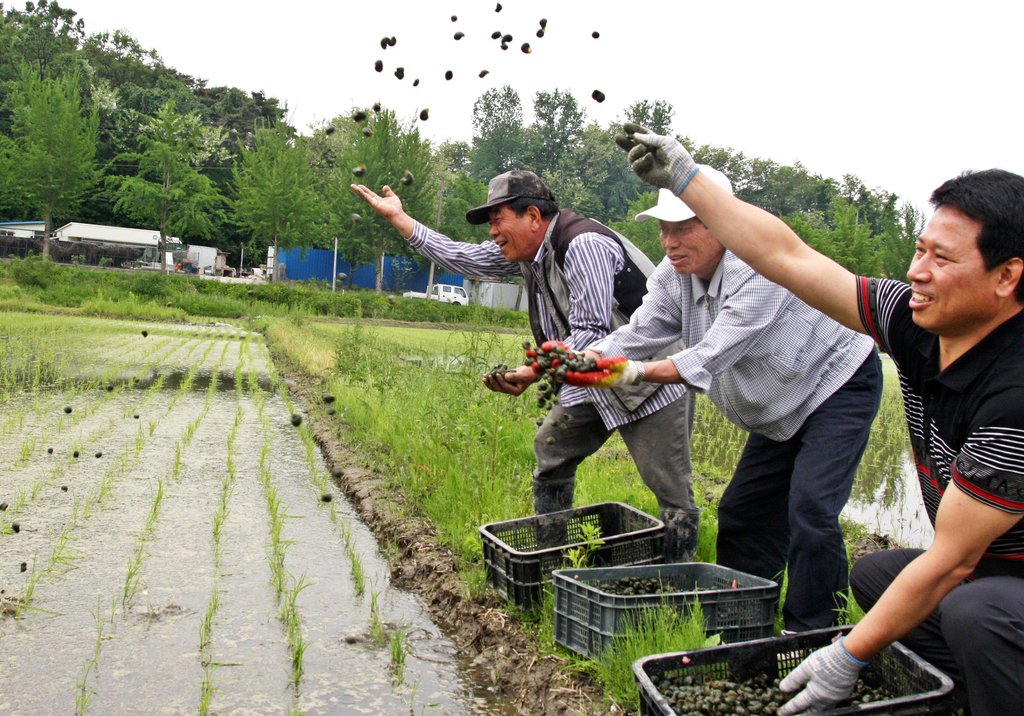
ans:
x=515 y=184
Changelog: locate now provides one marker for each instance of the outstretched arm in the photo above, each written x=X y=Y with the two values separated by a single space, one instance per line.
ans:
x=760 y=239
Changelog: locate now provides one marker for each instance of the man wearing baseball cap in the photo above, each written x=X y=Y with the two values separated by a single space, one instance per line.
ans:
x=583 y=280
x=806 y=388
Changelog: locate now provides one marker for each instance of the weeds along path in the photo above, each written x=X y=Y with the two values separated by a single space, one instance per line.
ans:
x=204 y=562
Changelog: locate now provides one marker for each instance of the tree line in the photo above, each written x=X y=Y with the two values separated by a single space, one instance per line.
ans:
x=96 y=128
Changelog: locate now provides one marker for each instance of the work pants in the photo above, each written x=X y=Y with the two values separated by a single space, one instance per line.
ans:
x=782 y=506
x=658 y=443
x=976 y=636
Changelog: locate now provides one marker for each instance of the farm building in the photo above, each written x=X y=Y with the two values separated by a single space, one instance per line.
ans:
x=22 y=229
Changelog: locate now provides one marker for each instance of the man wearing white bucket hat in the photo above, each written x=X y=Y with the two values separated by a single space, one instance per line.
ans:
x=806 y=388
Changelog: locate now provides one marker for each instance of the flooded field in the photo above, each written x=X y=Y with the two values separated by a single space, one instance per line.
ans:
x=171 y=540
x=892 y=506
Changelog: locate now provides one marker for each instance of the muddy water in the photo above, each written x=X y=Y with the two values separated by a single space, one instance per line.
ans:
x=149 y=585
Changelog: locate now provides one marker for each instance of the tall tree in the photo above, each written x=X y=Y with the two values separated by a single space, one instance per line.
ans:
x=53 y=148
x=899 y=242
x=556 y=131
x=656 y=115
x=604 y=169
x=459 y=193
x=276 y=196
x=169 y=190
x=47 y=36
x=571 y=192
x=120 y=59
x=376 y=151
x=499 y=138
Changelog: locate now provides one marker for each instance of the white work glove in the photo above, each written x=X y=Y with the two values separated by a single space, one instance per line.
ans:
x=827 y=677
x=658 y=160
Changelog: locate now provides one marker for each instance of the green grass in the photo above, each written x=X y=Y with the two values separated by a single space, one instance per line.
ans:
x=35 y=283
x=656 y=631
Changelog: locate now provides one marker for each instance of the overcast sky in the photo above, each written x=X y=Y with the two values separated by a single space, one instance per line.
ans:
x=903 y=94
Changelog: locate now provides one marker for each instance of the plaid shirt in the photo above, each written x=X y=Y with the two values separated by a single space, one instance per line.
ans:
x=764 y=357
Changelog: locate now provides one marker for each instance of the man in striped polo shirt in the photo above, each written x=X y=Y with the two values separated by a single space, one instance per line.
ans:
x=956 y=334
x=583 y=279
x=806 y=388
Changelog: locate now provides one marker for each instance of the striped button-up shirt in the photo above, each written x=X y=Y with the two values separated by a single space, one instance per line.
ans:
x=591 y=262
x=763 y=356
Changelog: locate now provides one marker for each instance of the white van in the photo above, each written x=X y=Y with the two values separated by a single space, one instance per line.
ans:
x=443 y=292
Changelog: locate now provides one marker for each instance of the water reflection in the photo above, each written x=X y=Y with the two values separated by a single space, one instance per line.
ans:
x=888 y=501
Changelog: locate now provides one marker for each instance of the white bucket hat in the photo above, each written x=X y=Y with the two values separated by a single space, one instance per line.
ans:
x=671 y=208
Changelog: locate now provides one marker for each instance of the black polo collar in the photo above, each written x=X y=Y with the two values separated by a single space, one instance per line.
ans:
x=1007 y=336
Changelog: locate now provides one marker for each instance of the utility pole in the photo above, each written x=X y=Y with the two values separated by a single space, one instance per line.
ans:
x=334 y=273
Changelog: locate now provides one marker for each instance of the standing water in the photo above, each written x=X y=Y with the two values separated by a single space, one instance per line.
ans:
x=173 y=544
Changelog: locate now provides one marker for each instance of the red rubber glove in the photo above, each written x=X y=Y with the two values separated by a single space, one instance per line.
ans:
x=609 y=373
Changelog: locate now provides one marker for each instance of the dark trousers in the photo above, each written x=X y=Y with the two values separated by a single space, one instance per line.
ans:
x=782 y=505
x=976 y=636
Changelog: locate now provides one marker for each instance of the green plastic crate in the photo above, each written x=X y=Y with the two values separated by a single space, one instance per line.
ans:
x=737 y=605
x=519 y=555
x=920 y=687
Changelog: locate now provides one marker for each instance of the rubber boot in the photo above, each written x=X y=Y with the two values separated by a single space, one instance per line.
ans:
x=682 y=526
x=552 y=497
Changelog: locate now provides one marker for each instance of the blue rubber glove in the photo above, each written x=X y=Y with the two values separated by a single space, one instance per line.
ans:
x=827 y=677
x=658 y=160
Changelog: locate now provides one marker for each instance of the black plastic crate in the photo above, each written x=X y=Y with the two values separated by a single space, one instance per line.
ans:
x=921 y=688
x=588 y=617
x=519 y=555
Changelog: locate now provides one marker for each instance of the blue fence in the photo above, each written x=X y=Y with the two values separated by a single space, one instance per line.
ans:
x=400 y=273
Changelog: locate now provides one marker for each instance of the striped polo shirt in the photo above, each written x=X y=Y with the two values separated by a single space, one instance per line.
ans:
x=966 y=422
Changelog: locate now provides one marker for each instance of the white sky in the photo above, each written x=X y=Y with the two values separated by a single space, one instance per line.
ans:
x=904 y=94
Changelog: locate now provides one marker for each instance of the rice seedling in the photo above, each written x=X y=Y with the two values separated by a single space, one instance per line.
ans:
x=28 y=446
x=131 y=579
x=377 y=632
x=398 y=651
x=849 y=610
x=154 y=509
x=59 y=552
x=206 y=625
x=82 y=691
x=293 y=627
x=205 y=695
x=358 y=576
x=579 y=557
x=29 y=591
